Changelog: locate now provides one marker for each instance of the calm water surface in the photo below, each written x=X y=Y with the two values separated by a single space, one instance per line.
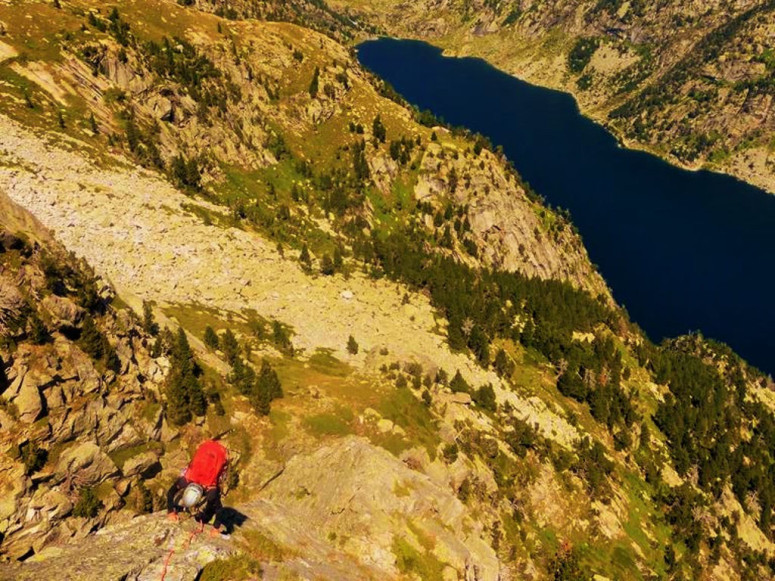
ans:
x=681 y=250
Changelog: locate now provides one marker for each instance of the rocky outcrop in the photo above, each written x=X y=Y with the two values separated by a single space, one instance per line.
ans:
x=349 y=489
x=62 y=413
x=145 y=548
x=342 y=512
x=11 y=306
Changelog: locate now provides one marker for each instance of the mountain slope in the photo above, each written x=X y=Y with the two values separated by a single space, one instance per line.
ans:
x=691 y=82
x=415 y=366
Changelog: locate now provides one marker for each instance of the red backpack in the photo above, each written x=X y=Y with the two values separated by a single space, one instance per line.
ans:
x=207 y=464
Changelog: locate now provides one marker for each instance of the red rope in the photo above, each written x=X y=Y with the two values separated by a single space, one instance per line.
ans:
x=185 y=546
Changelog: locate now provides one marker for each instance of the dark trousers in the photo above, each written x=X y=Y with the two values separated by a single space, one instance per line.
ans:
x=212 y=501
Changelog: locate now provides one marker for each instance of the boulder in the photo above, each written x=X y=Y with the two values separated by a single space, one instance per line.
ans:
x=11 y=306
x=461 y=397
x=140 y=464
x=28 y=400
x=86 y=464
x=63 y=311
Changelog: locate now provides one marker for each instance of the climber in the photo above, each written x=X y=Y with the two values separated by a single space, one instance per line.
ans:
x=201 y=483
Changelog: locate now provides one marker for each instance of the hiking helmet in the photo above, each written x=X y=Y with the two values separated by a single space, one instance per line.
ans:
x=192 y=494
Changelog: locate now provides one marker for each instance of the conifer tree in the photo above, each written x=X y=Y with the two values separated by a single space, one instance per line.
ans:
x=327 y=265
x=266 y=389
x=304 y=257
x=352 y=345
x=503 y=367
x=177 y=400
x=211 y=338
x=197 y=402
x=91 y=340
x=378 y=129
x=242 y=376
x=269 y=382
x=315 y=83
x=184 y=391
x=149 y=323
x=229 y=346
x=338 y=258
x=458 y=384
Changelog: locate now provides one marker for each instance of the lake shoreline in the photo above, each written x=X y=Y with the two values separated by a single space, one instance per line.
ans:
x=766 y=184
x=683 y=248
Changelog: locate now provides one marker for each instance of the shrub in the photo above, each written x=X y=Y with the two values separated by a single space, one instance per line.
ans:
x=88 y=505
x=450 y=453
x=352 y=345
x=33 y=457
x=581 y=54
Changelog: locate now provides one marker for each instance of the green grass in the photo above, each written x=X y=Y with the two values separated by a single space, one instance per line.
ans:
x=259 y=546
x=330 y=424
x=409 y=560
x=235 y=568
x=323 y=361
x=405 y=410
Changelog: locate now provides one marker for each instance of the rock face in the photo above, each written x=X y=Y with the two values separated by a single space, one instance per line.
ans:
x=340 y=513
x=363 y=494
x=136 y=550
x=11 y=306
x=62 y=412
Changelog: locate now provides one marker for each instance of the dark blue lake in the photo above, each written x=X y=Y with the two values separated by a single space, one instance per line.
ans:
x=682 y=251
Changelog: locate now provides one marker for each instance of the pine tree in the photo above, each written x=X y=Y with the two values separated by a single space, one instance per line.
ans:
x=157 y=348
x=242 y=376
x=184 y=391
x=304 y=257
x=485 y=398
x=280 y=337
x=197 y=403
x=177 y=400
x=93 y=124
x=378 y=129
x=327 y=265
x=3 y=376
x=193 y=174
x=61 y=119
x=352 y=345
x=211 y=338
x=149 y=322
x=503 y=367
x=458 y=384
x=266 y=389
x=338 y=258
x=269 y=382
x=230 y=346
x=315 y=83
x=132 y=134
x=91 y=340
